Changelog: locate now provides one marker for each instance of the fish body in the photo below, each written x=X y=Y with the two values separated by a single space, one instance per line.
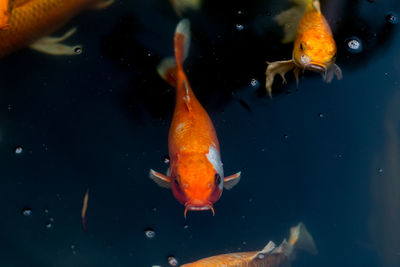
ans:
x=195 y=174
x=314 y=47
x=270 y=256
x=31 y=20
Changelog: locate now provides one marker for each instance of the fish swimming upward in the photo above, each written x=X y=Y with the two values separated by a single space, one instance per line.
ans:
x=270 y=256
x=195 y=175
x=31 y=21
x=314 y=47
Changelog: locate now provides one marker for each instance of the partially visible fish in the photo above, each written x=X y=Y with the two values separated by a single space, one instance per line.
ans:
x=314 y=47
x=270 y=256
x=182 y=6
x=32 y=21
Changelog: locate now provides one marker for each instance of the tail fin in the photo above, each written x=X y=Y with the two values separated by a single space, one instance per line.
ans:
x=182 y=41
x=301 y=239
x=167 y=69
x=289 y=19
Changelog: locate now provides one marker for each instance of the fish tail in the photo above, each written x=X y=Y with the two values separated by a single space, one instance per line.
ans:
x=289 y=19
x=301 y=239
x=182 y=42
x=169 y=66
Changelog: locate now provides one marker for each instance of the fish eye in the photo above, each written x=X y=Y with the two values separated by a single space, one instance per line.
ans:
x=217 y=179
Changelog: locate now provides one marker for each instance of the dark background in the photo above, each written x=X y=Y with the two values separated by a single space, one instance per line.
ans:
x=325 y=154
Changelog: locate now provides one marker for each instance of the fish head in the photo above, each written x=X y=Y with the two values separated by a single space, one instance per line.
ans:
x=314 y=51
x=198 y=181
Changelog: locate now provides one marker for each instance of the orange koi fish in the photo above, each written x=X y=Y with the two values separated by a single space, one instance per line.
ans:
x=314 y=47
x=31 y=21
x=269 y=256
x=195 y=174
x=4 y=14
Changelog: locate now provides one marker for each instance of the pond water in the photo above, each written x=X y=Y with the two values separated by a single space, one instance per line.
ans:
x=326 y=154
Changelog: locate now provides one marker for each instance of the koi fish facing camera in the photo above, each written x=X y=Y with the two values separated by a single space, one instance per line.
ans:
x=32 y=21
x=314 y=47
x=195 y=175
x=270 y=256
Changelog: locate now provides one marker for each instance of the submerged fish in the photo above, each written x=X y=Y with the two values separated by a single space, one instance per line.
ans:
x=181 y=6
x=31 y=21
x=270 y=256
x=196 y=174
x=314 y=47
x=4 y=14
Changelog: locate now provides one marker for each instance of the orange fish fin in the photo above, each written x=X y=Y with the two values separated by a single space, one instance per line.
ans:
x=232 y=180
x=274 y=68
x=160 y=179
x=102 y=4
x=301 y=239
x=167 y=70
x=53 y=45
x=182 y=41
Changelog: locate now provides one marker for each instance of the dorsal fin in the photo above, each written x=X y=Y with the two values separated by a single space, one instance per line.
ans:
x=266 y=250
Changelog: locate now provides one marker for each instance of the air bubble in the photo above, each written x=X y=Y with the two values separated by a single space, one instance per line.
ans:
x=48 y=224
x=18 y=150
x=26 y=211
x=150 y=233
x=254 y=83
x=392 y=18
x=354 y=45
x=239 y=27
x=78 y=50
x=321 y=115
x=166 y=159
x=172 y=261
x=380 y=170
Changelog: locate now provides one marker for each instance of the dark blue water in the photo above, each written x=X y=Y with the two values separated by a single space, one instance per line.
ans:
x=324 y=154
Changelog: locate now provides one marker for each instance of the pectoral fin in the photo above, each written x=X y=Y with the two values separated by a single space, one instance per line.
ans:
x=53 y=46
x=160 y=179
x=231 y=181
x=277 y=67
x=333 y=71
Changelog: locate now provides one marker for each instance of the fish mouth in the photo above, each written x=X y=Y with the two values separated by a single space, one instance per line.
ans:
x=315 y=67
x=191 y=207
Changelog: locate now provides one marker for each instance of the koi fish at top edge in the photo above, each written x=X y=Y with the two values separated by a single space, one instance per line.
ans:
x=314 y=47
x=195 y=175
x=31 y=22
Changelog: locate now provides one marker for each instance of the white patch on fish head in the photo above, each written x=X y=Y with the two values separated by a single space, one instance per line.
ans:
x=214 y=158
